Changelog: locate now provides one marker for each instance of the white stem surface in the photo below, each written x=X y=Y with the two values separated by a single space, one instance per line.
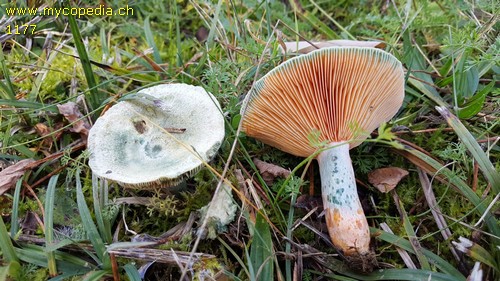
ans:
x=345 y=218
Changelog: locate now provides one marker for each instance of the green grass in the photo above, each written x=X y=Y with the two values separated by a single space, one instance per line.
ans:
x=448 y=127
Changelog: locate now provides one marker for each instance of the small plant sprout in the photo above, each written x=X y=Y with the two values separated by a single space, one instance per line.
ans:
x=328 y=91
x=157 y=139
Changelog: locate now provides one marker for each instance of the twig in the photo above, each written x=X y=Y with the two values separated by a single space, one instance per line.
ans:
x=325 y=238
x=114 y=268
x=48 y=176
x=255 y=183
x=78 y=145
x=299 y=221
x=475 y=176
x=40 y=205
x=436 y=211
x=487 y=211
x=179 y=264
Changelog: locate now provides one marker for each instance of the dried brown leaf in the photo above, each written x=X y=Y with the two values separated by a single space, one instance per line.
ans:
x=305 y=47
x=42 y=129
x=386 y=179
x=202 y=34
x=270 y=171
x=73 y=115
x=10 y=175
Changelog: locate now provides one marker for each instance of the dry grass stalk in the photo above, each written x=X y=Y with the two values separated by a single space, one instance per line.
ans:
x=404 y=254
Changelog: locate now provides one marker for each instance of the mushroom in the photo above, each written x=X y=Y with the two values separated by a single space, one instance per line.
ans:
x=339 y=95
x=305 y=47
x=157 y=139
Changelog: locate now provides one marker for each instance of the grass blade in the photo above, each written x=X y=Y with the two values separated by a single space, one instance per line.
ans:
x=424 y=263
x=14 y=225
x=429 y=94
x=261 y=251
x=476 y=252
x=338 y=25
x=470 y=142
x=401 y=274
x=432 y=167
x=12 y=269
x=176 y=12
x=94 y=100
x=213 y=25
x=436 y=260
x=28 y=104
x=66 y=263
x=95 y=275
x=235 y=255
x=480 y=254
x=6 y=244
x=289 y=230
x=99 y=203
x=132 y=273
x=89 y=225
x=125 y=73
x=7 y=87
x=151 y=41
x=48 y=217
x=313 y=20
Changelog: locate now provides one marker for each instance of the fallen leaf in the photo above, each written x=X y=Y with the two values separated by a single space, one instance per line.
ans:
x=386 y=179
x=202 y=34
x=44 y=131
x=73 y=115
x=10 y=175
x=29 y=224
x=305 y=47
x=270 y=171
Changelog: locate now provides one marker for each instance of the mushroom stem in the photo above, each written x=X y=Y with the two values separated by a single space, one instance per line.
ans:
x=345 y=218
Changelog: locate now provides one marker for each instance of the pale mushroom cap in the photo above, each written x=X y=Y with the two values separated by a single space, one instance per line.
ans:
x=344 y=93
x=130 y=145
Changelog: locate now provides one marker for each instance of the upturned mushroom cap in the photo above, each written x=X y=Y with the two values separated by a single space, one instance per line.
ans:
x=156 y=141
x=342 y=92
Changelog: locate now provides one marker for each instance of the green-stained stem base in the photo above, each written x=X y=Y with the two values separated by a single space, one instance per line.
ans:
x=345 y=218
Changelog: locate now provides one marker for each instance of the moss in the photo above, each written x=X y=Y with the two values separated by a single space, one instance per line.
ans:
x=206 y=269
x=205 y=184
x=57 y=78
x=166 y=206
x=33 y=273
x=303 y=233
x=182 y=244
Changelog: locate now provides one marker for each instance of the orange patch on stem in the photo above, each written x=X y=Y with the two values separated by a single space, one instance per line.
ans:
x=359 y=224
x=336 y=217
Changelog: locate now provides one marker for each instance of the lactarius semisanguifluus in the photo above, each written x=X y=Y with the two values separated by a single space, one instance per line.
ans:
x=344 y=93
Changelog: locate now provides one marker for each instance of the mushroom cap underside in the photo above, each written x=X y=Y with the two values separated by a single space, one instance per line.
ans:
x=342 y=93
x=158 y=143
